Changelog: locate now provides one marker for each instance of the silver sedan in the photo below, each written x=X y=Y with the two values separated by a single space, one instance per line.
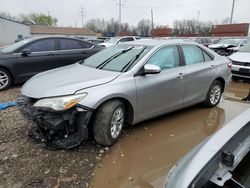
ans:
x=124 y=84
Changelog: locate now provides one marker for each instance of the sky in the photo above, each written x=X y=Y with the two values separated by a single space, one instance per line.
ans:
x=68 y=12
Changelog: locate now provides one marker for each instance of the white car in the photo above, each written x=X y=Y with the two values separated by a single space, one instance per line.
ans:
x=116 y=40
x=241 y=62
x=228 y=46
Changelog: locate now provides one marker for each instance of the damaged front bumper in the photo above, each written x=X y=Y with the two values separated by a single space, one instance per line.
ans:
x=57 y=130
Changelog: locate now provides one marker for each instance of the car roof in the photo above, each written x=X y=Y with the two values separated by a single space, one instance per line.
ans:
x=159 y=42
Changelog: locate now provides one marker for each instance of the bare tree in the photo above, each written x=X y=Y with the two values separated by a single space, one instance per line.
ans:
x=96 y=25
x=144 y=28
x=8 y=16
x=125 y=27
x=186 y=27
x=112 y=26
x=38 y=19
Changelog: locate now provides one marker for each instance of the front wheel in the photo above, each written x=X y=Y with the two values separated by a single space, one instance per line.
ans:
x=214 y=94
x=108 y=122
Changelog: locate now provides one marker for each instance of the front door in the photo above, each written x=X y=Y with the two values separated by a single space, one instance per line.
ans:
x=163 y=92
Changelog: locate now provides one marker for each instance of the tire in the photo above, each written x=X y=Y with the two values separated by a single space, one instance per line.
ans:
x=235 y=78
x=5 y=79
x=213 y=95
x=108 y=122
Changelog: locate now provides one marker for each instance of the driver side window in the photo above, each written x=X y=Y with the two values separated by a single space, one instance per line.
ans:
x=165 y=58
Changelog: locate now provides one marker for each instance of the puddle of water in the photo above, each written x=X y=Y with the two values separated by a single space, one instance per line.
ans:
x=145 y=154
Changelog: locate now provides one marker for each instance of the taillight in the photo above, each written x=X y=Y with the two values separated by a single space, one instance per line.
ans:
x=229 y=65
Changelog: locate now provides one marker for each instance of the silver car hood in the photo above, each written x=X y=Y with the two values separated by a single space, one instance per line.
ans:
x=66 y=81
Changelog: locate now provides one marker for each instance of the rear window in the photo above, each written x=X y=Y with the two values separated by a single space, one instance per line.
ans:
x=68 y=44
x=192 y=54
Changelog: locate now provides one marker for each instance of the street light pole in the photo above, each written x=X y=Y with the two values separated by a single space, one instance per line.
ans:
x=232 y=12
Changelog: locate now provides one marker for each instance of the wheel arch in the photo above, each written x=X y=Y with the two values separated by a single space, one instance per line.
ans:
x=222 y=81
x=129 y=114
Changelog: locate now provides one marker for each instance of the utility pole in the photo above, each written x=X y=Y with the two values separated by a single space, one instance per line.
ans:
x=120 y=13
x=152 y=21
x=232 y=13
x=198 y=17
x=82 y=13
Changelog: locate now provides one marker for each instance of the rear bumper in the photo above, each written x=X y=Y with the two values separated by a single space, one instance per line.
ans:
x=57 y=130
x=241 y=71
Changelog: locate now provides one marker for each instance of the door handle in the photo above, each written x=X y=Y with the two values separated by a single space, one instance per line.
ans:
x=212 y=67
x=181 y=75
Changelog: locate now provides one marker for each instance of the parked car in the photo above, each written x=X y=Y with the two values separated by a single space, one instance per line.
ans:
x=126 y=83
x=223 y=160
x=24 y=59
x=116 y=40
x=241 y=62
x=228 y=46
x=202 y=40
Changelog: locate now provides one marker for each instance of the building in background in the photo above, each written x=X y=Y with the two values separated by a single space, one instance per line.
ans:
x=11 y=30
x=230 y=30
x=162 y=32
x=45 y=31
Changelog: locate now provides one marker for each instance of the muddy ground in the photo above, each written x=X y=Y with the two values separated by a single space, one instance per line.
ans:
x=24 y=163
x=141 y=158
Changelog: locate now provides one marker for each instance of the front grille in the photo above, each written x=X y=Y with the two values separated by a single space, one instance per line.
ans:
x=246 y=64
x=25 y=105
x=241 y=73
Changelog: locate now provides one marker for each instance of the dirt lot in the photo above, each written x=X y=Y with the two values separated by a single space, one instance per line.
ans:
x=24 y=163
x=142 y=157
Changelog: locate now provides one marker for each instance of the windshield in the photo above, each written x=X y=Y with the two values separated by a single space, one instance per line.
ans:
x=245 y=48
x=113 y=40
x=15 y=46
x=233 y=42
x=117 y=58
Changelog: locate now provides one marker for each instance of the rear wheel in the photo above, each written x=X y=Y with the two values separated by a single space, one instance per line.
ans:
x=108 y=122
x=214 y=94
x=5 y=79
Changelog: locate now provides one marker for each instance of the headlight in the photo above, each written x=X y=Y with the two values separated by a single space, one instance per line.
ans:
x=60 y=103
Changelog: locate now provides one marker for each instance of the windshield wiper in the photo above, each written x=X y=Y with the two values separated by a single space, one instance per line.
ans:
x=131 y=62
x=103 y=64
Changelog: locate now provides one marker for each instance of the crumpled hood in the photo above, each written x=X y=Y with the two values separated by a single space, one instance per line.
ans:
x=66 y=81
x=221 y=45
x=240 y=56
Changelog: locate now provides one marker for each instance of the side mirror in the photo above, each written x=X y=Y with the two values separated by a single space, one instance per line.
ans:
x=26 y=52
x=151 y=69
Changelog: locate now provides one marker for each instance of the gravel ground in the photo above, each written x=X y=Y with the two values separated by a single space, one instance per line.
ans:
x=24 y=163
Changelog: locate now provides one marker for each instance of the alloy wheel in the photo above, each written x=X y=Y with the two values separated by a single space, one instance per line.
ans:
x=4 y=80
x=117 y=123
x=215 y=94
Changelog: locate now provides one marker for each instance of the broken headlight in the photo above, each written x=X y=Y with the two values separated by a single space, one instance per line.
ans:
x=60 y=103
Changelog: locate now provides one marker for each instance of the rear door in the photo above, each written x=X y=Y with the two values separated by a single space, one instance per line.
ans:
x=200 y=72
x=72 y=50
x=43 y=57
x=163 y=92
